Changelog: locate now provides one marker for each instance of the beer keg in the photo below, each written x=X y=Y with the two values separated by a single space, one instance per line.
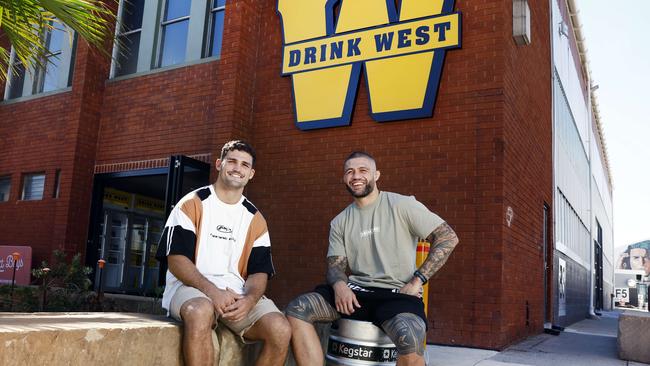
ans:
x=354 y=342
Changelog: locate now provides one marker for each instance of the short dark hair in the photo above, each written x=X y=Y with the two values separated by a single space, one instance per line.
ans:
x=239 y=145
x=360 y=154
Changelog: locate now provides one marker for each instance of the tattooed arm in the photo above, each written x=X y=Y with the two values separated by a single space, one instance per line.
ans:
x=443 y=240
x=336 y=267
x=344 y=298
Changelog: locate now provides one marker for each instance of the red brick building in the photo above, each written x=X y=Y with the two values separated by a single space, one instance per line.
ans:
x=483 y=161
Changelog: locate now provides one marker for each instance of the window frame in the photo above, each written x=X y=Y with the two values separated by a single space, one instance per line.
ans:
x=116 y=47
x=10 y=76
x=6 y=178
x=207 y=48
x=24 y=185
x=34 y=78
x=41 y=72
x=57 y=184
x=150 y=48
x=161 y=34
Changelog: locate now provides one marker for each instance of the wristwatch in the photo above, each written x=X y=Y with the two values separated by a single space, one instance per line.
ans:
x=419 y=275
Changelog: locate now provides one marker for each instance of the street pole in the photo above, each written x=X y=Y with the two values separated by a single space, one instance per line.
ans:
x=46 y=271
x=100 y=293
x=16 y=257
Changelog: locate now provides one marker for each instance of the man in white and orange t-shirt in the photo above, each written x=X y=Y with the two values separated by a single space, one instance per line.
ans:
x=218 y=251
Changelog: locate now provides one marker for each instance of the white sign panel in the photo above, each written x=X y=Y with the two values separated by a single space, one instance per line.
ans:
x=622 y=294
x=561 y=286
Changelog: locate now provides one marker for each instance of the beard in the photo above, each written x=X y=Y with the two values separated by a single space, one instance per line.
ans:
x=370 y=186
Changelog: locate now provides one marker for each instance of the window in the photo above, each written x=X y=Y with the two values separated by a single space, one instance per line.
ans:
x=5 y=188
x=215 y=28
x=56 y=71
x=57 y=183
x=16 y=81
x=174 y=29
x=33 y=186
x=129 y=33
x=48 y=76
x=160 y=33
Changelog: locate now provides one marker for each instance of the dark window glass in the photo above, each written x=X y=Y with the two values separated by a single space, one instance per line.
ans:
x=57 y=184
x=217 y=33
x=17 y=82
x=173 y=42
x=215 y=26
x=132 y=12
x=127 y=58
x=177 y=8
x=5 y=188
x=73 y=59
x=129 y=37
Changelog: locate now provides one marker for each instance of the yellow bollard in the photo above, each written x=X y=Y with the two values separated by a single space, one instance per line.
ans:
x=421 y=255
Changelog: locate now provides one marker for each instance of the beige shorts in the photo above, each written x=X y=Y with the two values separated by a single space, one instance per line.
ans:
x=264 y=306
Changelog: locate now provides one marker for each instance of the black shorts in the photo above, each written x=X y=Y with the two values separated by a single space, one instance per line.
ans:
x=377 y=304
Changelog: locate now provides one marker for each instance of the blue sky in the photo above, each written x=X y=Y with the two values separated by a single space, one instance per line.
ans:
x=618 y=48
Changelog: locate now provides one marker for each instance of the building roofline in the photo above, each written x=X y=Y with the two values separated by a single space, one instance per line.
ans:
x=584 y=61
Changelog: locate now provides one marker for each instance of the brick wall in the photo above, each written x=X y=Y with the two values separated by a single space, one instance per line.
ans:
x=33 y=134
x=528 y=180
x=188 y=110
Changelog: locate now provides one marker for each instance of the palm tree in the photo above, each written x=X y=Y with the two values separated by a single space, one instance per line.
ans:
x=25 y=22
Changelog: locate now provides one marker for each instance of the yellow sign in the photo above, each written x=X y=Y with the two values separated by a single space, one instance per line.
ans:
x=149 y=204
x=117 y=197
x=402 y=53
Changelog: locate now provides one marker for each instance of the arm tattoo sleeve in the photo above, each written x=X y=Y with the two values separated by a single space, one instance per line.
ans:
x=443 y=241
x=336 y=267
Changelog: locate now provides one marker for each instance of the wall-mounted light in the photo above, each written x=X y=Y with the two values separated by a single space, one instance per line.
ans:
x=521 y=22
x=631 y=282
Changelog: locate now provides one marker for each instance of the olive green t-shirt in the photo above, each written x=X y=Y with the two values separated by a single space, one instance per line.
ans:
x=380 y=240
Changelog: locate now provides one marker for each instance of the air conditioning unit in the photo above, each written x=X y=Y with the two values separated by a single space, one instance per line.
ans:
x=521 y=22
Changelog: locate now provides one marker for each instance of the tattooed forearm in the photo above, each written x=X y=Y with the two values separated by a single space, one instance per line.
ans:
x=336 y=267
x=443 y=241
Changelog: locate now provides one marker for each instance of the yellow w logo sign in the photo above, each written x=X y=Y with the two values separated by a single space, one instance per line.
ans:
x=402 y=51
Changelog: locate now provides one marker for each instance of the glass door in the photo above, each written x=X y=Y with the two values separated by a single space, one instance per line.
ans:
x=185 y=175
x=137 y=246
x=114 y=241
x=152 y=266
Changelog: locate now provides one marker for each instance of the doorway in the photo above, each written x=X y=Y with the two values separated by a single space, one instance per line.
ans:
x=128 y=216
x=547 y=270
x=598 y=267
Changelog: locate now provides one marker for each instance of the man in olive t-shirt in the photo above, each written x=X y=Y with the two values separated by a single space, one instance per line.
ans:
x=376 y=238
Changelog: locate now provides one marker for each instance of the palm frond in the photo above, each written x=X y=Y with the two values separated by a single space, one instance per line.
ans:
x=26 y=22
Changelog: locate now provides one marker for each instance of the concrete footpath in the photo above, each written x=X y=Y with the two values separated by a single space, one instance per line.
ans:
x=590 y=342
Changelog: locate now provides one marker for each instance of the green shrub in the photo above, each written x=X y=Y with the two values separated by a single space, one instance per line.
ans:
x=63 y=286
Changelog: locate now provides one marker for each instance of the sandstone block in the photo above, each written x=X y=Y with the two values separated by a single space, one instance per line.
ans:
x=634 y=336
